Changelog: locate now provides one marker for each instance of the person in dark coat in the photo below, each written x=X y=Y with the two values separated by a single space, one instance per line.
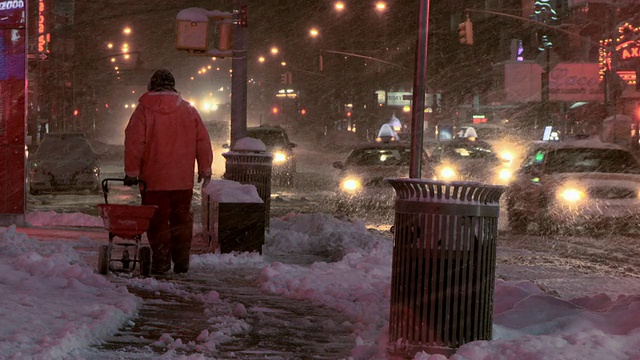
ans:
x=164 y=139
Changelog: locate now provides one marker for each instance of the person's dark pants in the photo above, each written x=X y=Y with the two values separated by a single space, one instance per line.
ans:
x=171 y=229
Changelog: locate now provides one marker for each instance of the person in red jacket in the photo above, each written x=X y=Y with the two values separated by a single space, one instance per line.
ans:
x=164 y=139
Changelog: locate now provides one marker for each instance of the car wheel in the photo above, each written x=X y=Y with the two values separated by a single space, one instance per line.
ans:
x=547 y=226
x=289 y=179
x=518 y=221
x=33 y=191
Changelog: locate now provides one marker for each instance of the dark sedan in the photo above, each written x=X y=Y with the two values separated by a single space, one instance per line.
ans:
x=361 y=179
x=469 y=159
x=64 y=162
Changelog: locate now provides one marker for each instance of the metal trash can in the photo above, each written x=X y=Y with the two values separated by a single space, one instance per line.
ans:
x=252 y=168
x=443 y=265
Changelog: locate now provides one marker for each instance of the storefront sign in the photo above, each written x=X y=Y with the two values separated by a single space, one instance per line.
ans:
x=575 y=82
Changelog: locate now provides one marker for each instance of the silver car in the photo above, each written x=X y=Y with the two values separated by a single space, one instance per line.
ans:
x=582 y=184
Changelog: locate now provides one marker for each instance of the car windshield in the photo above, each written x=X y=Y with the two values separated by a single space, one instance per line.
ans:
x=64 y=148
x=466 y=150
x=269 y=138
x=591 y=160
x=373 y=157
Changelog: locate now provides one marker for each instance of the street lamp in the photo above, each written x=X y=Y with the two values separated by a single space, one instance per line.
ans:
x=126 y=31
x=339 y=6
x=274 y=50
x=314 y=33
x=381 y=6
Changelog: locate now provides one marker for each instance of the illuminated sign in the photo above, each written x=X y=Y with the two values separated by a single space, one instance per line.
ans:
x=44 y=38
x=11 y=5
x=630 y=50
x=627 y=49
x=12 y=11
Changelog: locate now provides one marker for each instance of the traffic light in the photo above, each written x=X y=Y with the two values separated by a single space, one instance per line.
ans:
x=286 y=78
x=465 y=32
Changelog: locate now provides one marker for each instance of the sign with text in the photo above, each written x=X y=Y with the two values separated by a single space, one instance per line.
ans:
x=575 y=82
x=404 y=98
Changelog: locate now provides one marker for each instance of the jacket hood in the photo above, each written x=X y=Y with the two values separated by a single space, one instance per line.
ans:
x=164 y=102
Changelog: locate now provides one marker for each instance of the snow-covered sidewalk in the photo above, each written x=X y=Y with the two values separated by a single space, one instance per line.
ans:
x=56 y=306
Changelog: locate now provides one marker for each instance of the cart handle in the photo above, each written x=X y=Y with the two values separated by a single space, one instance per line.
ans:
x=105 y=186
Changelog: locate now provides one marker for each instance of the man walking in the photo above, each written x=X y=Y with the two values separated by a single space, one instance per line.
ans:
x=164 y=139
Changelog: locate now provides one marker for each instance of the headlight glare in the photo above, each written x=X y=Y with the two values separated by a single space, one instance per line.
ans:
x=571 y=195
x=279 y=157
x=447 y=173
x=505 y=175
x=351 y=185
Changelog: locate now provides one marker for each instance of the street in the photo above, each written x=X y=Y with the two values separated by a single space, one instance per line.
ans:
x=282 y=328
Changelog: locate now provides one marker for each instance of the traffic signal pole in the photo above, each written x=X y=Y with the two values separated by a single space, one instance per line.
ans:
x=239 y=77
x=419 y=90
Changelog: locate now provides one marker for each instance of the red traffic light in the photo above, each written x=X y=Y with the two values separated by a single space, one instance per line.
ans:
x=303 y=112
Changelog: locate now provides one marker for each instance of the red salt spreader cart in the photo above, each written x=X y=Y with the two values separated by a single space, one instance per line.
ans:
x=127 y=223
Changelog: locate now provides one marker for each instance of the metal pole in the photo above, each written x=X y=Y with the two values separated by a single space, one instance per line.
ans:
x=612 y=83
x=238 y=79
x=419 y=90
x=546 y=105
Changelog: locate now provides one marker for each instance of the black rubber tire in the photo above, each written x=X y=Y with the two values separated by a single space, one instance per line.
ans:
x=145 y=260
x=518 y=222
x=103 y=260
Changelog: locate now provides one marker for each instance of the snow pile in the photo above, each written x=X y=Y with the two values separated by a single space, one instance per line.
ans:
x=227 y=191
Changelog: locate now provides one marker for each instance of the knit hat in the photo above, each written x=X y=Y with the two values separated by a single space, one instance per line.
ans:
x=162 y=80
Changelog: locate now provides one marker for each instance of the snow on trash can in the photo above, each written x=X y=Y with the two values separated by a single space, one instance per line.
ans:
x=443 y=267
x=249 y=163
x=232 y=217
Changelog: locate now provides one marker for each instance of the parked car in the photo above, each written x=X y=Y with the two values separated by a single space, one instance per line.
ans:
x=64 y=162
x=579 y=184
x=361 y=180
x=469 y=159
x=277 y=142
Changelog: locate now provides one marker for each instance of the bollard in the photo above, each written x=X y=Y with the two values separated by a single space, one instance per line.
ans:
x=443 y=265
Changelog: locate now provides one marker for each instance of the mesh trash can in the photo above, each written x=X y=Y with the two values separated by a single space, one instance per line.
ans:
x=253 y=168
x=443 y=265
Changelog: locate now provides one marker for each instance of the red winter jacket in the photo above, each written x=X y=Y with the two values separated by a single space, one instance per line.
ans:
x=163 y=140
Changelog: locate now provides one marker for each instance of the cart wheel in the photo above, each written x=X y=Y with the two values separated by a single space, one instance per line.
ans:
x=103 y=259
x=145 y=261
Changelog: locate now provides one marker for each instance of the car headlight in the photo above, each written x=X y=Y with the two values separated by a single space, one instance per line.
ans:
x=279 y=157
x=446 y=173
x=504 y=175
x=506 y=156
x=571 y=195
x=350 y=185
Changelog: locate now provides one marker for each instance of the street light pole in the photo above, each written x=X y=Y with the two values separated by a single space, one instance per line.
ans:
x=419 y=90
x=238 y=79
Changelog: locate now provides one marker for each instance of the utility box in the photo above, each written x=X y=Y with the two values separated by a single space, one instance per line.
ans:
x=233 y=217
x=192 y=30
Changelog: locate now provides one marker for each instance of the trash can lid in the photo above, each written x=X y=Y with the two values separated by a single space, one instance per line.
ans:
x=228 y=191
x=249 y=144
